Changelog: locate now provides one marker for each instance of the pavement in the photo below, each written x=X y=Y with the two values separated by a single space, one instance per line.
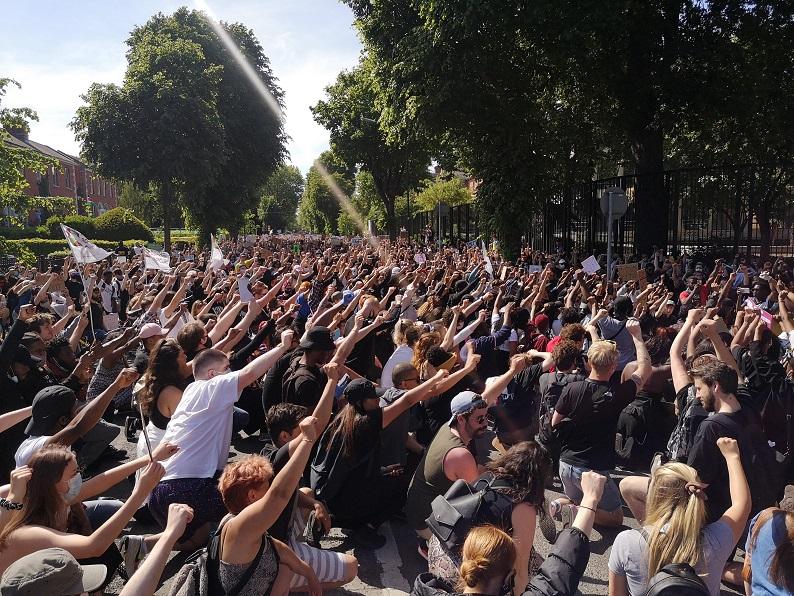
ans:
x=390 y=570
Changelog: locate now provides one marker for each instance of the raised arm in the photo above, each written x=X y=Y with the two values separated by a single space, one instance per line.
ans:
x=677 y=365
x=413 y=396
x=258 y=367
x=737 y=513
x=644 y=367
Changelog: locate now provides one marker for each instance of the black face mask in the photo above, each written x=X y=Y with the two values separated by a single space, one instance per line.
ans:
x=208 y=342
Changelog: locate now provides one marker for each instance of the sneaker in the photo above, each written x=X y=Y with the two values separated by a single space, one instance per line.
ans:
x=368 y=537
x=112 y=453
x=421 y=547
x=131 y=429
x=547 y=527
x=134 y=550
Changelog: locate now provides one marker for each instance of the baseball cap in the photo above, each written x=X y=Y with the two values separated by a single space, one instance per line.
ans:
x=358 y=390
x=150 y=330
x=465 y=402
x=51 y=571
x=49 y=404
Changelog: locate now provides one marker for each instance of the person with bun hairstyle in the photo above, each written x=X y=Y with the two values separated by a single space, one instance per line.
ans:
x=488 y=559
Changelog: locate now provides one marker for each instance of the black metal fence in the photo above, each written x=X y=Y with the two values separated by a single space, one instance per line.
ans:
x=746 y=210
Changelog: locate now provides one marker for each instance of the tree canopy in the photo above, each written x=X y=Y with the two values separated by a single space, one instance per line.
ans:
x=187 y=121
x=319 y=209
x=14 y=160
x=280 y=196
x=534 y=97
x=351 y=114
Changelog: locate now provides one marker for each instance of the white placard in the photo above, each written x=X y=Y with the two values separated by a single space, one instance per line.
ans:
x=590 y=265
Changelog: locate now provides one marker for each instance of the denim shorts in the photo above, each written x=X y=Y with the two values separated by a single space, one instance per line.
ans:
x=571 y=477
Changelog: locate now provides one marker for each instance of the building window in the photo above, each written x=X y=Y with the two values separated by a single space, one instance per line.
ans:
x=55 y=177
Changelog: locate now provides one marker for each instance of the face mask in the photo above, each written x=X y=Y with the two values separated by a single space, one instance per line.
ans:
x=75 y=484
x=208 y=343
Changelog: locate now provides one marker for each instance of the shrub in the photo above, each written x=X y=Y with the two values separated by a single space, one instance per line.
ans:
x=15 y=247
x=82 y=223
x=44 y=246
x=120 y=224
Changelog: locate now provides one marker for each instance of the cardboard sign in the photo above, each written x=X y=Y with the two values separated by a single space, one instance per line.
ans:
x=629 y=271
x=590 y=265
x=535 y=269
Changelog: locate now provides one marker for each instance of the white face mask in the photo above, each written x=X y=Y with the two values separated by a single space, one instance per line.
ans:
x=75 y=484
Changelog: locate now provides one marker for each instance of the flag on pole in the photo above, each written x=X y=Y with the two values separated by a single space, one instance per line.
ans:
x=488 y=264
x=154 y=259
x=84 y=250
x=216 y=256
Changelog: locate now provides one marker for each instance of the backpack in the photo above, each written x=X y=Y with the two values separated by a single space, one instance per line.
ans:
x=200 y=575
x=632 y=433
x=464 y=506
x=549 y=436
x=676 y=579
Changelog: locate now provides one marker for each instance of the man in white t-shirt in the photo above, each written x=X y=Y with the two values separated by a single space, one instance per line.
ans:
x=202 y=427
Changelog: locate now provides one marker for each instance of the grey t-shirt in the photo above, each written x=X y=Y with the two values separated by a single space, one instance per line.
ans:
x=392 y=438
x=629 y=557
x=615 y=330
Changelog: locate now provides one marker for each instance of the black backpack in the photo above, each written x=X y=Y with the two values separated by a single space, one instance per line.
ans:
x=549 y=436
x=464 y=506
x=676 y=579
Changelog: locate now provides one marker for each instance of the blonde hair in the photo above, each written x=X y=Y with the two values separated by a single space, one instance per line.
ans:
x=488 y=553
x=602 y=355
x=675 y=503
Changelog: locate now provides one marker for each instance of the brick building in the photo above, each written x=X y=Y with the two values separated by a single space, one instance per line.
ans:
x=74 y=179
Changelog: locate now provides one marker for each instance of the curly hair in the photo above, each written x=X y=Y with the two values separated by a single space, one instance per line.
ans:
x=527 y=467
x=241 y=476
x=162 y=371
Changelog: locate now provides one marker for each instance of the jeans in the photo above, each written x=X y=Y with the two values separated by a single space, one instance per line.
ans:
x=101 y=510
x=239 y=420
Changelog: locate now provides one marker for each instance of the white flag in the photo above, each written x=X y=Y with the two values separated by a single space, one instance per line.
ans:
x=216 y=256
x=84 y=250
x=154 y=259
x=488 y=264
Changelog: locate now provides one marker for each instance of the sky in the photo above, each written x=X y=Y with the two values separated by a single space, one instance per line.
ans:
x=60 y=48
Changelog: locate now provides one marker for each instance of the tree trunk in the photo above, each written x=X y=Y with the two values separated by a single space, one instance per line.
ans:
x=391 y=219
x=650 y=203
x=166 y=196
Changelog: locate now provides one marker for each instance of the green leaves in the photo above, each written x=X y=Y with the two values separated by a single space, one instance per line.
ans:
x=187 y=121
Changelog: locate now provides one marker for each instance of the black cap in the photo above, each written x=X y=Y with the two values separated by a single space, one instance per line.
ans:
x=50 y=404
x=22 y=356
x=358 y=390
x=319 y=339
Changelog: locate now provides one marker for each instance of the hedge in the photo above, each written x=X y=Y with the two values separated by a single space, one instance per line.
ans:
x=82 y=223
x=120 y=224
x=43 y=246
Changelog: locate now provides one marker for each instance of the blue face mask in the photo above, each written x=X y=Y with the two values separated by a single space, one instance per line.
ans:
x=75 y=484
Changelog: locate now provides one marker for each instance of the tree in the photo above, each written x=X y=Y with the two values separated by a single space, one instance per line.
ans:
x=319 y=209
x=351 y=114
x=187 y=121
x=14 y=160
x=450 y=192
x=533 y=97
x=367 y=203
x=280 y=196
x=145 y=204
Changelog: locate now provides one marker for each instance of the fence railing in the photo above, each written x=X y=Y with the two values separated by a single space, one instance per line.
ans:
x=727 y=210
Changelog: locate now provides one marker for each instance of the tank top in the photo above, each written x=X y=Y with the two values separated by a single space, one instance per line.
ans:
x=159 y=419
x=429 y=481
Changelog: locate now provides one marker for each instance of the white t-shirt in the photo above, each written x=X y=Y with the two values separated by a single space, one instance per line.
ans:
x=400 y=355
x=202 y=427
x=28 y=449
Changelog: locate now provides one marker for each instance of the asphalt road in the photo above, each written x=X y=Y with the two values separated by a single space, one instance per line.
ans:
x=391 y=569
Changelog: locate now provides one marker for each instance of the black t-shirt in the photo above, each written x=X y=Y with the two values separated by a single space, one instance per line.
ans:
x=304 y=385
x=594 y=408
x=279 y=458
x=516 y=407
x=707 y=459
x=271 y=385
x=333 y=470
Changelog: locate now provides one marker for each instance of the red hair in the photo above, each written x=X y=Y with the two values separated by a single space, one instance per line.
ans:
x=249 y=473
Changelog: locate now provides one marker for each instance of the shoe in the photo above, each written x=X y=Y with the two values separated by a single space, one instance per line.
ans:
x=547 y=527
x=421 y=548
x=112 y=453
x=134 y=550
x=368 y=537
x=131 y=429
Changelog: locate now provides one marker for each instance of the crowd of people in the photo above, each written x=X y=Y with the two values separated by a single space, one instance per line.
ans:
x=440 y=387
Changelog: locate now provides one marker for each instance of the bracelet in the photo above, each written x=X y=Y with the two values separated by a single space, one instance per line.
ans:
x=584 y=507
x=304 y=440
x=10 y=505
